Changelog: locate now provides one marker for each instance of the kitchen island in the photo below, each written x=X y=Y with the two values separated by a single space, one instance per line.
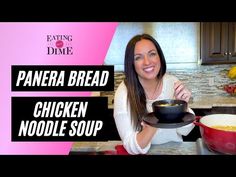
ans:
x=170 y=148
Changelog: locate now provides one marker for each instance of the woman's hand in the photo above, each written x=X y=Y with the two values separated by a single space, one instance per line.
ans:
x=181 y=92
x=145 y=136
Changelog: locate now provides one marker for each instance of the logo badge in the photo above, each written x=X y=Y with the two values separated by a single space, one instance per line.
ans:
x=59 y=45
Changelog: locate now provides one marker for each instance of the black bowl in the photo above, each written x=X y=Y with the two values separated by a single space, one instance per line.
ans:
x=169 y=111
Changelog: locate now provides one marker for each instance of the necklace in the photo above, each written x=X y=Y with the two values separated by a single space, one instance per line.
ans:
x=154 y=92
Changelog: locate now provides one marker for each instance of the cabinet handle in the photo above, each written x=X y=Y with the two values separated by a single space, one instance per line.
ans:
x=230 y=53
x=225 y=53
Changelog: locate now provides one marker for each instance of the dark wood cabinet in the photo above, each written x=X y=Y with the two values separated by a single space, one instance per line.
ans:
x=218 y=42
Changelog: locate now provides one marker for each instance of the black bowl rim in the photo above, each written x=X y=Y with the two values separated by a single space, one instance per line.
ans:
x=156 y=103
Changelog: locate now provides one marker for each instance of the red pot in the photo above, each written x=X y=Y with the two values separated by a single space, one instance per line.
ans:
x=218 y=140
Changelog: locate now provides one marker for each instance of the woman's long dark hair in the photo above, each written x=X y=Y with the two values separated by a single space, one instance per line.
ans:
x=136 y=95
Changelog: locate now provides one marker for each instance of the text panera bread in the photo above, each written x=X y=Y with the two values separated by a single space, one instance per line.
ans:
x=57 y=78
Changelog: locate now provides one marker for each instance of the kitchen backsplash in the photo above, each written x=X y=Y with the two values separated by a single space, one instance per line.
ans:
x=206 y=80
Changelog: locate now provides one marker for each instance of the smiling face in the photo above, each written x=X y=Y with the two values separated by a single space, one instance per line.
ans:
x=146 y=60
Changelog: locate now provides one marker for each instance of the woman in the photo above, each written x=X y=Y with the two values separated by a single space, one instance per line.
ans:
x=145 y=81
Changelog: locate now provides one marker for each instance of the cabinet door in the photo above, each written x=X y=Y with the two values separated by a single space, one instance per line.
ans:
x=232 y=42
x=214 y=42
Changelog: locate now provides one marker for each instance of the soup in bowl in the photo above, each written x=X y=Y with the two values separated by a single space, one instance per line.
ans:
x=169 y=110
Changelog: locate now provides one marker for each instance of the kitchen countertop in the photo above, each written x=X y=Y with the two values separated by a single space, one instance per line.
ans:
x=170 y=148
x=213 y=101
